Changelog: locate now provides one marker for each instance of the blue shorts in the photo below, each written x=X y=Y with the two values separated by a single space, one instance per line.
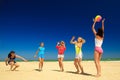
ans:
x=41 y=56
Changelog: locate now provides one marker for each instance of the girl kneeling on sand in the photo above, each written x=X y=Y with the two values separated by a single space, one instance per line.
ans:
x=11 y=60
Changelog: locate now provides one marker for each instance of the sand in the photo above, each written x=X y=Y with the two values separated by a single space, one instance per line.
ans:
x=28 y=71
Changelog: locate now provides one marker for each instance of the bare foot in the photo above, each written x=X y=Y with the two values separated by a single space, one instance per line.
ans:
x=40 y=69
x=98 y=75
x=10 y=69
x=13 y=70
x=77 y=71
x=82 y=72
x=62 y=70
x=16 y=70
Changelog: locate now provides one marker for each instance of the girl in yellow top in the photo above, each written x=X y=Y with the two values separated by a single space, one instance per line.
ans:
x=78 y=57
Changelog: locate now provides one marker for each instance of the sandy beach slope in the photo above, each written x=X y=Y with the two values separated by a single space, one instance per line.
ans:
x=28 y=71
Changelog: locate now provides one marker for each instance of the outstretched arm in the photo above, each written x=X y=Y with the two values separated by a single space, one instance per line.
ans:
x=36 y=53
x=103 y=24
x=93 y=27
x=21 y=58
x=72 y=40
x=6 y=60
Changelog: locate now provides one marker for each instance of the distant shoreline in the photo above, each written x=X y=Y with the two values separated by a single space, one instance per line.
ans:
x=107 y=59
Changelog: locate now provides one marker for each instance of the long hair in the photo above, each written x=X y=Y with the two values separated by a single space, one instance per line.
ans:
x=100 y=32
x=9 y=55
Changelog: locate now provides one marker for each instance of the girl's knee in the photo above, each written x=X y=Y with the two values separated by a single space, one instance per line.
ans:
x=11 y=63
x=75 y=62
x=60 y=62
x=17 y=65
x=41 y=62
x=96 y=62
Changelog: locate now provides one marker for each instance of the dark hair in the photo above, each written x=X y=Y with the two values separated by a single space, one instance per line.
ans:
x=9 y=55
x=100 y=32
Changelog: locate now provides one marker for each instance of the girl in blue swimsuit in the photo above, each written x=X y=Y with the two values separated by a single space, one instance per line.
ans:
x=40 y=53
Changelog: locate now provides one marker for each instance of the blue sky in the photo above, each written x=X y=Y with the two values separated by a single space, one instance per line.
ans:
x=26 y=23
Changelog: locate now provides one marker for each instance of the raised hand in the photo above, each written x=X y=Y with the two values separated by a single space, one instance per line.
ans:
x=103 y=20
x=94 y=20
x=73 y=37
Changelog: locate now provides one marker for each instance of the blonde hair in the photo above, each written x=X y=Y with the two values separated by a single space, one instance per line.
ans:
x=82 y=40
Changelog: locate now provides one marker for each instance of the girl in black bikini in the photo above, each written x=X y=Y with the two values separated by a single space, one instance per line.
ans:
x=11 y=60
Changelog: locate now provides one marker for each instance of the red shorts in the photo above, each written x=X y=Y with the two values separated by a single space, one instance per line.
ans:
x=99 y=50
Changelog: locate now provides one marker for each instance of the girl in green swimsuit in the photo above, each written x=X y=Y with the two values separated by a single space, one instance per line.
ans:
x=78 y=49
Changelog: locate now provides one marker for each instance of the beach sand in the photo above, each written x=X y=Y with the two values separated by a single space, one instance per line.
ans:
x=28 y=71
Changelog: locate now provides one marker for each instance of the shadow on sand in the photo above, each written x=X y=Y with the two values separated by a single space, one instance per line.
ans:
x=56 y=70
x=71 y=72
x=12 y=70
x=86 y=74
x=38 y=70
